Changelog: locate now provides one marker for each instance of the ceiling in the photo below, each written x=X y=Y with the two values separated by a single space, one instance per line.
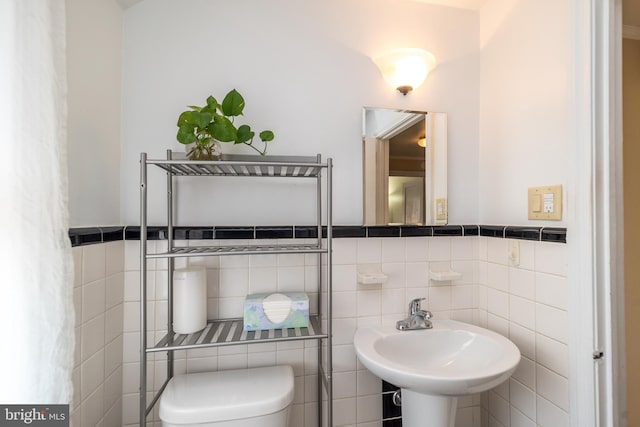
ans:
x=125 y=4
x=630 y=16
x=461 y=4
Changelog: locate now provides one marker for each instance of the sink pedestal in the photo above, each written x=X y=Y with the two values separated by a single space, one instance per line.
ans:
x=422 y=410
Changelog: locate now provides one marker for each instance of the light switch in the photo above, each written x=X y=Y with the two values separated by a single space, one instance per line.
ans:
x=545 y=203
x=536 y=203
x=441 y=209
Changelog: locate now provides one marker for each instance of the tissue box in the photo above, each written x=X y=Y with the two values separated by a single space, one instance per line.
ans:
x=276 y=311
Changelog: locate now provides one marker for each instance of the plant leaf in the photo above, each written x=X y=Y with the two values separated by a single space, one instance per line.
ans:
x=222 y=129
x=185 y=134
x=209 y=109
x=195 y=118
x=266 y=135
x=212 y=103
x=244 y=134
x=203 y=119
x=233 y=104
x=184 y=118
x=194 y=107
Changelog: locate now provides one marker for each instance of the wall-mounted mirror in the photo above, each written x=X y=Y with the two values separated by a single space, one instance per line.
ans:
x=405 y=167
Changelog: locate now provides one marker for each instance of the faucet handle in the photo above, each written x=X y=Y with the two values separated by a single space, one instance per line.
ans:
x=414 y=305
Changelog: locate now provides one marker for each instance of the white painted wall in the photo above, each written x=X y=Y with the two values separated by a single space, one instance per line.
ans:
x=525 y=86
x=305 y=71
x=94 y=69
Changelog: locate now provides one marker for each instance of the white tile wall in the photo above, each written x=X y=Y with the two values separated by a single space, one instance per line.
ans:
x=98 y=298
x=536 y=320
x=357 y=393
x=229 y=279
x=527 y=303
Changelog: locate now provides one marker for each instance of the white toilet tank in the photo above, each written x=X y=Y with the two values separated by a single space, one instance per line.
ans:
x=238 y=398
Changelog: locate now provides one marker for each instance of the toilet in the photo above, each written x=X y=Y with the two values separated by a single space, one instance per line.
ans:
x=236 y=398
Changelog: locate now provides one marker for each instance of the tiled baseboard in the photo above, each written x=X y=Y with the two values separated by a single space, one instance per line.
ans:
x=92 y=235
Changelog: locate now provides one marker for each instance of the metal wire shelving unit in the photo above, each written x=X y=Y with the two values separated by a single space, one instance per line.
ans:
x=225 y=332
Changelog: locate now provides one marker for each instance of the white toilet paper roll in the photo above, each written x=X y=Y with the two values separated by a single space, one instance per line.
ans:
x=189 y=300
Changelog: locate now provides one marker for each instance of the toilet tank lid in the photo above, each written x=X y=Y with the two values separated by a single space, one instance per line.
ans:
x=226 y=395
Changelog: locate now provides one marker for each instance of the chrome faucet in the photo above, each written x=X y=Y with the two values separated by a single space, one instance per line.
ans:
x=417 y=319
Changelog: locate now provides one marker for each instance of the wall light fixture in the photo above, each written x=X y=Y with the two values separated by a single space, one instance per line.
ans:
x=405 y=69
x=422 y=142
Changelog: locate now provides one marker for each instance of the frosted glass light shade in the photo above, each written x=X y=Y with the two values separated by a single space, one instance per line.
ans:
x=405 y=69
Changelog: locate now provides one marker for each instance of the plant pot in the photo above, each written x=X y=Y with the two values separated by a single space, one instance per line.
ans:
x=211 y=151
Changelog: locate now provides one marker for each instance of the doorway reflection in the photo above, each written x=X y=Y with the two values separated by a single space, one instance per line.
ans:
x=405 y=167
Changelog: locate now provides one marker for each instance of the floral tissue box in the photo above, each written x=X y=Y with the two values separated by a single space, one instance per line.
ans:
x=276 y=311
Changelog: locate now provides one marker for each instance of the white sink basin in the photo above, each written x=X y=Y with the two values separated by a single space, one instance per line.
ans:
x=452 y=359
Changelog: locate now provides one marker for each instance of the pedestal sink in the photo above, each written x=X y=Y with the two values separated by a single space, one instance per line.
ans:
x=435 y=366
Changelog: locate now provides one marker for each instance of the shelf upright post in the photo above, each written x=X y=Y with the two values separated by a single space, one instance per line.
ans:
x=329 y=293
x=319 y=298
x=170 y=265
x=319 y=206
x=143 y=289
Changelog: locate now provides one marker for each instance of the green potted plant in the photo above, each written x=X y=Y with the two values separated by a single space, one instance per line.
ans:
x=202 y=128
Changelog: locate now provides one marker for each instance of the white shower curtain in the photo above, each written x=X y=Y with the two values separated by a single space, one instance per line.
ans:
x=36 y=290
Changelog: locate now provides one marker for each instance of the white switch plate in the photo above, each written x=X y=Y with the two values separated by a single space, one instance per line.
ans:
x=441 y=209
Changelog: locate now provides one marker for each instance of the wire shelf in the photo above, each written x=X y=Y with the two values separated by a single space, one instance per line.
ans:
x=226 y=332
x=239 y=250
x=239 y=165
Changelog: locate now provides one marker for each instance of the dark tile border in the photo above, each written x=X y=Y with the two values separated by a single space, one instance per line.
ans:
x=471 y=230
x=524 y=233
x=447 y=230
x=193 y=233
x=391 y=414
x=387 y=386
x=554 y=234
x=492 y=230
x=85 y=236
x=132 y=232
x=112 y=234
x=305 y=231
x=383 y=231
x=347 y=231
x=234 y=232
x=284 y=232
x=416 y=230
x=91 y=235
x=389 y=409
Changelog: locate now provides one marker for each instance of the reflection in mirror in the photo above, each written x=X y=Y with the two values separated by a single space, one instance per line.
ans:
x=405 y=167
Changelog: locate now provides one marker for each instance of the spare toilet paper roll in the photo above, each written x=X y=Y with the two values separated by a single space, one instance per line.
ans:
x=189 y=300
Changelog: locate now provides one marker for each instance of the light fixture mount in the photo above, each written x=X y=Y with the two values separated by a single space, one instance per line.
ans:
x=405 y=89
